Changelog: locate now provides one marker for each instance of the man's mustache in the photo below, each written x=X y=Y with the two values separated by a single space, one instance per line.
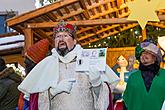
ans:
x=62 y=42
x=62 y=51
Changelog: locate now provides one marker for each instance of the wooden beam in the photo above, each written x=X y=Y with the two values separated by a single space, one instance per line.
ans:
x=101 y=2
x=144 y=34
x=96 y=1
x=88 y=22
x=110 y=11
x=161 y=25
x=14 y=58
x=44 y=35
x=89 y=2
x=86 y=14
x=121 y=49
x=107 y=28
x=9 y=34
x=84 y=29
x=67 y=10
x=78 y=32
x=51 y=16
x=96 y=39
x=82 y=23
x=129 y=27
x=111 y=33
x=73 y=13
x=97 y=33
x=37 y=34
x=38 y=12
x=82 y=4
x=85 y=37
x=28 y=38
x=74 y=7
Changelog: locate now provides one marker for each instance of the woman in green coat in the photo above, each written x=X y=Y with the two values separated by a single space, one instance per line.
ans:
x=145 y=88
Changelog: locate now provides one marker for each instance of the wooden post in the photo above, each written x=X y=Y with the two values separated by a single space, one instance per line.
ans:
x=119 y=3
x=28 y=38
x=144 y=34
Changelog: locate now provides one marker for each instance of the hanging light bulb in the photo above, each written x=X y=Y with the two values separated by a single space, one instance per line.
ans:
x=136 y=32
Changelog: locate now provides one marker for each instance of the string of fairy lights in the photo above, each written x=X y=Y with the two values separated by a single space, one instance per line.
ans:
x=128 y=38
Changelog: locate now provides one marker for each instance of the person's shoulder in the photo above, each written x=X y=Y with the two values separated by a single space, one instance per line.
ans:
x=161 y=75
x=134 y=73
x=9 y=70
x=50 y=57
x=162 y=71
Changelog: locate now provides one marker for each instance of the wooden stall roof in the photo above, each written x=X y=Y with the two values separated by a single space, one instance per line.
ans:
x=11 y=47
x=95 y=19
x=11 y=43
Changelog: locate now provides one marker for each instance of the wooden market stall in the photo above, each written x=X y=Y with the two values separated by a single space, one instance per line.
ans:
x=11 y=46
x=95 y=20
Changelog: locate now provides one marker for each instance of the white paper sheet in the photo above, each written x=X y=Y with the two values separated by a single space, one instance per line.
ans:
x=91 y=58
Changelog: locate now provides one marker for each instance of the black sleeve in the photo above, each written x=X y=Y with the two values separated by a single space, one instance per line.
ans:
x=15 y=77
x=3 y=91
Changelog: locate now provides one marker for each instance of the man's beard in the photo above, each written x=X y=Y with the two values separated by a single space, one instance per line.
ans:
x=62 y=51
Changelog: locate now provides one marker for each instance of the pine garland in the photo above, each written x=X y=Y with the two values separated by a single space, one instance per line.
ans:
x=128 y=38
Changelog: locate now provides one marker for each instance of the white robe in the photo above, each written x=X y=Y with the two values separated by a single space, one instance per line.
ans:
x=50 y=71
x=81 y=96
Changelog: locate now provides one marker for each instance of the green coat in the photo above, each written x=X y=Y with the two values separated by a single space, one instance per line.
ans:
x=136 y=96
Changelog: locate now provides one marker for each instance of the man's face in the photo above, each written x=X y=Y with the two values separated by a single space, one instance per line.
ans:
x=147 y=58
x=63 y=40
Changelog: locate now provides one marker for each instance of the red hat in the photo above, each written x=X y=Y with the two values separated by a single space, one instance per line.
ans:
x=63 y=26
x=38 y=51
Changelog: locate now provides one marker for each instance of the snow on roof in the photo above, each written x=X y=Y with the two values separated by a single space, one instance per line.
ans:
x=5 y=42
x=16 y=45
x=11 y=39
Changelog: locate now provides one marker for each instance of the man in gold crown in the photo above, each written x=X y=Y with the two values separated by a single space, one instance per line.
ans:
x=60 y=86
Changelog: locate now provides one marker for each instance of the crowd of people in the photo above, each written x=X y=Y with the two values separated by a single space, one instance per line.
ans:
x=52 y=82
